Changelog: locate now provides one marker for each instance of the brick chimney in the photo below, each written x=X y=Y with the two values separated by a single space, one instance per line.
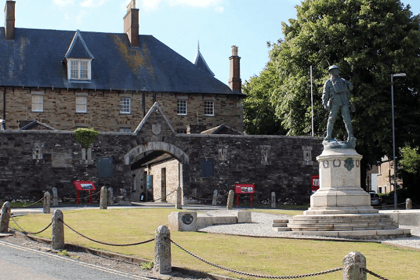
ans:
x=131 y=24
x=235 y=82
x=9 y=16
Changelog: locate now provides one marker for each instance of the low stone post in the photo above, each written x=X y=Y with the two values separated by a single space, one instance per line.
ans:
x=103 y=201
x=231 y=196
x=110 y=196
x=273 y=200
x=54 y=197
x=57 y=230
x=47 y=203
x=354 y=265
x=162 y=264
x=5 y=217
x=214 y=201
x=178 y=201
x=408 y=203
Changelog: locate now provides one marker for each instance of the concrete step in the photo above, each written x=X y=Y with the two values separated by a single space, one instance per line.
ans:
x=356 y=233
x=280 y=221
x=279 y=224
x=278 y=229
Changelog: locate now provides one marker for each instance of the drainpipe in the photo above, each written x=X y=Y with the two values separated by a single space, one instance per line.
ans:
x=3 y=121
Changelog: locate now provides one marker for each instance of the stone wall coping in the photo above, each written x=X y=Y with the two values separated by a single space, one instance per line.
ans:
x=246 y=136
x=176 y=135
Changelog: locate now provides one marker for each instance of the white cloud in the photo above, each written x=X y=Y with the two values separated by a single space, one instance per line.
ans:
x=63 y=3
x=92 y=3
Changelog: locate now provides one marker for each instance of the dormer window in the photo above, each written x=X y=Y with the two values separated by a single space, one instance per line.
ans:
x=78 y=59
x=79 y=69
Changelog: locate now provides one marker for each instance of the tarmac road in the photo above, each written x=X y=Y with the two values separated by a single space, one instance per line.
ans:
x=18 y=263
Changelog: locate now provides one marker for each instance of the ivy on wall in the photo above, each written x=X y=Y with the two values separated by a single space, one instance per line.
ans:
x=86 y=136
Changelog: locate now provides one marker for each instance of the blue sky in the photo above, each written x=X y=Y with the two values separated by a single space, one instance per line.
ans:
x=180 y=24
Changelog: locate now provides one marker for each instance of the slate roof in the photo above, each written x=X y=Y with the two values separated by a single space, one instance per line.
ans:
x=36 y=59
x=78 y=48
x=201 y=63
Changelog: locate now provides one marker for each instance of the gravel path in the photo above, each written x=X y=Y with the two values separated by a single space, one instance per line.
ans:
x=262 y=226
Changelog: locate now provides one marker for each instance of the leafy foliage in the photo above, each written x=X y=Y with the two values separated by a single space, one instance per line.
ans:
x=86 y=136
x=369 y=40
x=410 y=160
x=259 y=113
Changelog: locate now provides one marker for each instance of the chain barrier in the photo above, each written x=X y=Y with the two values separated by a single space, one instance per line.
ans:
x=105 y=243
x=160 y=198
x=28 y=232
x=33 y=203
x=256 y=275
x=374 y=274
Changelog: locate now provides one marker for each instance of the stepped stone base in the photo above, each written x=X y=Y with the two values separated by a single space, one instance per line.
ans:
x=341 y=208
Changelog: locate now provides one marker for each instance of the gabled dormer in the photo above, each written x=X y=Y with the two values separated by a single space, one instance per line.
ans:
x=201 y=62
x=79 y=60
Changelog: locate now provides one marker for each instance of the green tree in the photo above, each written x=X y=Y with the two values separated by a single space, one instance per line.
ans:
x=410 y=171
x=86 y=136
x=259 y=113
x=368 y=40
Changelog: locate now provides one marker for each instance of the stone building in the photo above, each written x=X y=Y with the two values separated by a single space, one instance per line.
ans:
x=164 y=122
x=108 y=81
x=32 y=161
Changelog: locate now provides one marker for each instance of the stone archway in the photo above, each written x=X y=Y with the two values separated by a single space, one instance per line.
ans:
x=138 y=153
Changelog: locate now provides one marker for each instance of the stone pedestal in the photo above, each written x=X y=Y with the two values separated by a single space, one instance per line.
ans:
x=340 y=207
x=340 y=191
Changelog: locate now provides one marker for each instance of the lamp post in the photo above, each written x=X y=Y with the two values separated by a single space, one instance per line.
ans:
x=393 y=135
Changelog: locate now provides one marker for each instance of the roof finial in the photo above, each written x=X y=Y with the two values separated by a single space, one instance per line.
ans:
x=198 y=48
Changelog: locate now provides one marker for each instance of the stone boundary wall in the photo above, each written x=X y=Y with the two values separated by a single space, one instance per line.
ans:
x=35 y=161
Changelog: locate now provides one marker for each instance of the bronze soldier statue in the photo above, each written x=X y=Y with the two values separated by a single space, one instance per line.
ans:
x=335 y=98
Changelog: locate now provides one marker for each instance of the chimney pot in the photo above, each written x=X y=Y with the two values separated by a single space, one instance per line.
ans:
x=9 y=16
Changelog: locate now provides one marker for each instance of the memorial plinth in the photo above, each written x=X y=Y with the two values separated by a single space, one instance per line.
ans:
x=340 y=207
x=340 y=191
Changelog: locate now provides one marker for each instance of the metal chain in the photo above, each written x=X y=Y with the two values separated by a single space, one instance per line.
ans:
x=33 y=203
x=105 y=243
x=374 y=274
x=256 y=275
x=160 y=198
x=25 y=231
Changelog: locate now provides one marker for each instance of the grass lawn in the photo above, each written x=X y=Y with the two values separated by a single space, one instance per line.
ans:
x=271 y=256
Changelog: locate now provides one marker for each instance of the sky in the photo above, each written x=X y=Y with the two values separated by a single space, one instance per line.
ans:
x=180 y=24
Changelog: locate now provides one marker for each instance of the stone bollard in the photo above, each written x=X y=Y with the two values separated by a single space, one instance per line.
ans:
x=103 y=201
x=230 y=200
x=47 y=203
x=57 y=230
x=408 y=203
x=110 y=196
x=162 y=264
x=54 y=197
x=5 y=217
x=354 y=265
x=178 y=201
x=273 y=200
x=214 y=201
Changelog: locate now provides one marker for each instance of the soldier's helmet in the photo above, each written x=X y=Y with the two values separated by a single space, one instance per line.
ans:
x=332 y=67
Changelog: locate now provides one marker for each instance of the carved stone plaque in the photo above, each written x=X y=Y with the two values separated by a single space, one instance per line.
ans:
x=156 y=129
x=61 y=160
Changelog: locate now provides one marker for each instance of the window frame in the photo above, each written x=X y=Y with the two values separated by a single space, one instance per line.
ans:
x=128 y=112
x=178 y=107
x=206 y=102
x=40 y=95
x=77 y=66
x=84 y=96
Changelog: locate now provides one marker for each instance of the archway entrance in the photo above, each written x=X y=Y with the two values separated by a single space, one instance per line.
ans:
x=158 y=168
